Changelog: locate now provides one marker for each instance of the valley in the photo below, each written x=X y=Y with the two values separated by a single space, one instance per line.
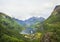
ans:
x=33 y=29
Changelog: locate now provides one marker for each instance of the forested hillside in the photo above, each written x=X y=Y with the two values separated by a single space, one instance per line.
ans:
x=46 y=31
x=9 y=29
x=52 y=27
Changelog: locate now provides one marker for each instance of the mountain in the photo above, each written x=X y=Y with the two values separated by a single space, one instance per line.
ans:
x=30 y=21
x=54 y=19
x=52 y=27
x=9 y=22
x=9 y=29
x=33 y=20
x=21 y=22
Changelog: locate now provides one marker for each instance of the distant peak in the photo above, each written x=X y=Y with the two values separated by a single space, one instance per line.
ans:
x=33 y=17
x=37 y=17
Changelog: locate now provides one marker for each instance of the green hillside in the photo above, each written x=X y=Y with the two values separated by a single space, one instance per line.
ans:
x=9 y=29
x=52 y=26
x=47 y=31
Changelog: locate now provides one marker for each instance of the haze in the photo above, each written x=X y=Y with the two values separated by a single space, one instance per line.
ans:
x=24 y=9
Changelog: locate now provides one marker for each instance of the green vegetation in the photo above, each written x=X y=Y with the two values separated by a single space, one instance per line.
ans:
x=9 y=29
x=52 y=25
x=47 y=31
x=50 y=28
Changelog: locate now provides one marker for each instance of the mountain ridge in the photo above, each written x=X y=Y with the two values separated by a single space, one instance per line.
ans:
x=52 y=27
x=30 y=21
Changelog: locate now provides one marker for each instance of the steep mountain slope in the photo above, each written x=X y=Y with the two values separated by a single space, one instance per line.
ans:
x=9 y=22
x=54 y=20
x=9 y=29
x=52 y=27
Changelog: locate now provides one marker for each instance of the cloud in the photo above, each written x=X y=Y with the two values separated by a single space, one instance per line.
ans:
x=24 y=9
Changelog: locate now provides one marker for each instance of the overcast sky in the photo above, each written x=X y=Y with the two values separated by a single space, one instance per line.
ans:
x=24 y=9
